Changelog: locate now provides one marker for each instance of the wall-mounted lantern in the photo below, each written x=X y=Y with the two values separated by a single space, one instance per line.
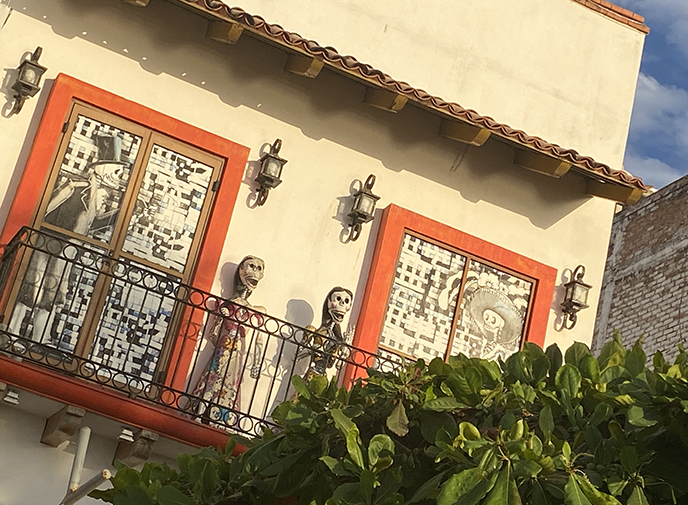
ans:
x=575 y=297
x=270 y=171
x=363 y=208
x=29 y=74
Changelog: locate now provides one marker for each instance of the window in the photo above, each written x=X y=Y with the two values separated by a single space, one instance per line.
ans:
x=449 y=302
x=131 y=184
x=434 y=291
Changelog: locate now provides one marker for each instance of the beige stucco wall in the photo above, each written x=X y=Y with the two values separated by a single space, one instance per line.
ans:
x=550 y=67
x=158 y=56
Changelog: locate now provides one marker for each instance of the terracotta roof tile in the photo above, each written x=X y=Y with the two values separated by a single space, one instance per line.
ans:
x=617 y=13
x=366 y=72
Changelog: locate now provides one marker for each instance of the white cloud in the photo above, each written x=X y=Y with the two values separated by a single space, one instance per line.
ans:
x=668 y=16
x=651 y=170
x=660 y=115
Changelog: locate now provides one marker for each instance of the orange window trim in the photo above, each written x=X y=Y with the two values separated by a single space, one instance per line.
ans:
x=39 y=163
x=395 y=222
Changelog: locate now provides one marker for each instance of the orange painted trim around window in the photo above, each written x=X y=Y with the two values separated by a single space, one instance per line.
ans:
x=64 y=90
x=395 y=222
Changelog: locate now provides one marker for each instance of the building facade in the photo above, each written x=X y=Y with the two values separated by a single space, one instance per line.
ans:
x=643 y=289
x=130 y=202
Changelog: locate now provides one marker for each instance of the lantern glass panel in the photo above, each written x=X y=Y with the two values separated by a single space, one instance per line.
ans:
x=568 y=296
x=273 y=167
x=580 y=294
x=29 y=75
x=366 y=205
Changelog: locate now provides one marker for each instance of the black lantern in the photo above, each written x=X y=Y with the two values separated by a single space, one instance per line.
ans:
x=270 y=171
x=575 y=297
x=364 y=207
x=29 y=76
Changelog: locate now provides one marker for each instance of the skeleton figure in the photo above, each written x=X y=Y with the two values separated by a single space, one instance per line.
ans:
x=326 y=342
x=220 y=382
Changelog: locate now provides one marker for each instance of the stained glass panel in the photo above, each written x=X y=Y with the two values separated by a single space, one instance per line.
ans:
x=168 y=208
x=93 y=177
x=492 y=313
x=423 y=299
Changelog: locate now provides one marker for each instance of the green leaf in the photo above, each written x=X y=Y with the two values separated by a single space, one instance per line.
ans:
x=637 y=497
x=335 y=466
x=397 y=422
x=378 y=444
x=504 y=491
x=553 y=353
x=546 y=421
x=341 y=421
x=423 y=491
x=601 y=413
x=169 y=495
x=568 y=379
x=526 y=468
x=593 y=494
x=458 y=485
x=469 y=432
x=431 y=422
x=368 y=481
x=300 y=386
x=636 y=417
x=589 y=368
x=353 y=448
x=613 y=372
x=576 y=353
x=348 y=493
x=635 y=361
x=444 y=404
x=573 y=494
x=629 y=459
x=438 y=367
x=317 y=384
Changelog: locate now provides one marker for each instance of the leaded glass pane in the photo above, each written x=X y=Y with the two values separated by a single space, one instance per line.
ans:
x=423 y=299
x=168 y=208
x=492 y=313
x=93 y=177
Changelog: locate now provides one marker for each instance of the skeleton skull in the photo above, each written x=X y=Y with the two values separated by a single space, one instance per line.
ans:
x=111 y=173
x=493 y=322
x=338 y=304
x=251 y=271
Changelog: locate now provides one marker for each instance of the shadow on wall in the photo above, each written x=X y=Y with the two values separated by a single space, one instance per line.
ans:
x=330 y=107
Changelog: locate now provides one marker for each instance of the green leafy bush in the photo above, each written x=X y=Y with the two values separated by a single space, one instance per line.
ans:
x=540 y=428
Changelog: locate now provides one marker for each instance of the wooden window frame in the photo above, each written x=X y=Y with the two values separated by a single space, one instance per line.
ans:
x=395 y=222
x=65 y=91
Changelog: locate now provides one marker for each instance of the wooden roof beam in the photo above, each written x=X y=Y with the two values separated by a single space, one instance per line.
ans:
x=137 y=3
x=464 y=132
x=622 y=194
x=220 y=31
x=303 y=65
x=385 y=100
x=541 y=163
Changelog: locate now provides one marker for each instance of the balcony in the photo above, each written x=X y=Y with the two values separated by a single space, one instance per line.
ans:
x=148 y=350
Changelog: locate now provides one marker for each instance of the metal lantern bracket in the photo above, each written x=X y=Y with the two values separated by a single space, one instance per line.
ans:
x=575 y=297
x=29 y=74
x=267 y=179
x=363 y=208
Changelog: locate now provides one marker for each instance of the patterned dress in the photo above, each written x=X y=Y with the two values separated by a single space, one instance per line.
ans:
x=220 y=382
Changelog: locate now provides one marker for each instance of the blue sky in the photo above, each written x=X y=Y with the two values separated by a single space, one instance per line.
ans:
x=657 y=147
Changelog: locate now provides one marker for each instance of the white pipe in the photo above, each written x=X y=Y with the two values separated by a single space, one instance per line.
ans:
x=74 y=496
x=79 y=458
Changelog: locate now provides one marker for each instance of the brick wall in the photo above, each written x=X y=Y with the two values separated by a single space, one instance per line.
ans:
x=645 y=285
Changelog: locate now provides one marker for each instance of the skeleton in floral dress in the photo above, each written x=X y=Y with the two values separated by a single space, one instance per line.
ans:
x=220 y=382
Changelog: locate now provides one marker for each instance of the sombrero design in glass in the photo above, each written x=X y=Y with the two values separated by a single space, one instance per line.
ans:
x=446 y=302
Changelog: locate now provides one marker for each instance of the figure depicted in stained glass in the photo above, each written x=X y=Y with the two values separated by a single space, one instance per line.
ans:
x=77 y=205
x=327 y=342
x=220 y=382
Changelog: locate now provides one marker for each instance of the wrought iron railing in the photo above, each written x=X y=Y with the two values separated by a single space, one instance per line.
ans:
x=72 y=308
